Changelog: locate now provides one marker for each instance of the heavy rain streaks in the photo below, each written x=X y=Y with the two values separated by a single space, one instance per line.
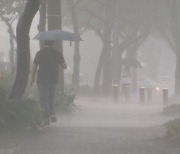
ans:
x=89 y=77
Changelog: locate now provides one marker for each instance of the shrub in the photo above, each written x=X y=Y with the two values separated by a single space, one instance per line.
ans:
x=19 y=114
x=172 y=110
x=173 y=126
x=173 y=129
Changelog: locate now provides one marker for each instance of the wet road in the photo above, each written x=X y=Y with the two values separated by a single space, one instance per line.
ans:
x=99 y=127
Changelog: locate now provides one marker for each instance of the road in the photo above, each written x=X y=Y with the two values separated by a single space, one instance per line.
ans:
x=101 y=127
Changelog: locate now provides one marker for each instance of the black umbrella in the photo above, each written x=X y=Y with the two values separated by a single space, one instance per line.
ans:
x=131 y=62
x=58 y=35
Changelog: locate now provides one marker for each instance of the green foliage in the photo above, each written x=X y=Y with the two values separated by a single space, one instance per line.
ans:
x=88 y=12
x=19 y=114
x=69 y=97
x=69 y=105
x=12 y=7
x=172 y=110
x=173 y=126
x=173 y=129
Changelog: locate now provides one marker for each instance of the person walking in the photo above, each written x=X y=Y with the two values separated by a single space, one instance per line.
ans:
x=46 y=63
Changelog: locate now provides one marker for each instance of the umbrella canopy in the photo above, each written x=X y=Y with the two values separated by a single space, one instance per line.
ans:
x=131 y=62
x=58 y=35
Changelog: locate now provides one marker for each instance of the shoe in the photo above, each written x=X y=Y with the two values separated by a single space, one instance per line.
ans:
x=53 y=118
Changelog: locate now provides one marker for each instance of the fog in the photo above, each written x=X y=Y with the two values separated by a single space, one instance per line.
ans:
x=120 y=106
x=90 y=50
x=100 y=113
x=101 y=126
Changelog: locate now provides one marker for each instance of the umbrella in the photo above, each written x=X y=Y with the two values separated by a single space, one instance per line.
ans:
x=58 y=35
x=131 y=62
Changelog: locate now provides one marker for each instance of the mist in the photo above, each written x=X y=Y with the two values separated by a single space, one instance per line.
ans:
x=117 y=89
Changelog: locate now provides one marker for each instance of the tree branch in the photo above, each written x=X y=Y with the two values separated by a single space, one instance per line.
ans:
x=92 y=14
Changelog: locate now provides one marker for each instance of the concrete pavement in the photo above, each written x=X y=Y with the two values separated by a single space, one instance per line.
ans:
x=101 y=127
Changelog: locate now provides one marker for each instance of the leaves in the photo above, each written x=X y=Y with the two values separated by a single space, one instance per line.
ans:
x=173 y=129
x=11 y=8
x=20 y=114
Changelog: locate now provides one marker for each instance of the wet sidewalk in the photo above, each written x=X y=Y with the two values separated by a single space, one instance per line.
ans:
x=100 y=127
x=105 y=113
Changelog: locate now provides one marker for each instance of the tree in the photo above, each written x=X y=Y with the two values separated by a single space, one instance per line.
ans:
x=76 y=67
x=23 y=49
x=128 y=31
x=175 y=14
x=122 y=25
x=98 y=16
x=42 y=19
x=10 y=11
x=54 y=17
x=168 y=27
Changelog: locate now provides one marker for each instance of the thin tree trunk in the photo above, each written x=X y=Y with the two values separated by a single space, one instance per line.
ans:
x=107 y=60
x=115 y=55
x=12 y=38
x=77 y=58
x=107 y=65
x=11 y=54
x=177 y=76
x=42 y=19
x=76 y=71
x=98 y=75
x=176 y=34
x=23 y=49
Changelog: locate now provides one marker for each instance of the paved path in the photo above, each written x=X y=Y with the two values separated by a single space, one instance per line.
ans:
x=100 y=127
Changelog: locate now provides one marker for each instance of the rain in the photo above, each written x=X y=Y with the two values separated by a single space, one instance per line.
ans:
x=89 y=77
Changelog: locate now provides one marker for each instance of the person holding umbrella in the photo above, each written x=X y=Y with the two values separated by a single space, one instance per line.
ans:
x=46 y=64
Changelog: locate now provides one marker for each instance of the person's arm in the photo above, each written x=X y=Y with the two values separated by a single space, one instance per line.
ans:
x=34 y=70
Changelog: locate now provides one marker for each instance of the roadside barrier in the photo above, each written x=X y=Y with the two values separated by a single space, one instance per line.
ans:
x=149 y=92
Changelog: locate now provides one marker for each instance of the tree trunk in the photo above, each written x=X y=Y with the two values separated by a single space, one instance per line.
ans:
x=104 y=67
x=98 y=75
x=107 y=64
x=132 y=53
x=107 y=60
x=12 y=38
x=177 y=76
x=23 y=49
x=115 y=55
x=76 y=67
x=77 y=58
x=55 y=22
x=42 y=20
x=11 y=53
x=176 y=34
